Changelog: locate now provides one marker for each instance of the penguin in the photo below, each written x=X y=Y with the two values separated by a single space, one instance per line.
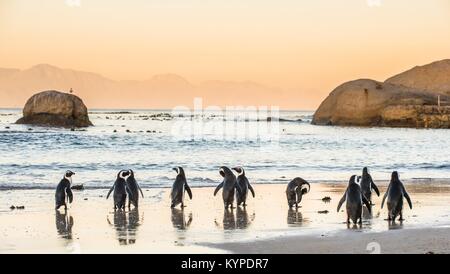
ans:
x=178 y=188
x=367 y=185
x=394 y=194
x=244 y=185
x=120 y=190
x=62 y=189
x=295 y=191
x=355 y=199
x=133 y=190
x=229 y=185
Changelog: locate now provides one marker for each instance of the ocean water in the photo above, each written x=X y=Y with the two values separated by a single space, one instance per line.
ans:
x=152 y=142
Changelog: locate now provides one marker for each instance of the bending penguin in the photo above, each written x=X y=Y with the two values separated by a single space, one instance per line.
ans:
x=295 y=191
x=367 y=185
x=120 y=190
x=244 y=185
x=179 y=187
x=229 y=185
x=133 y=190
x=395 y=193
x=62 y=189
x=355 y=199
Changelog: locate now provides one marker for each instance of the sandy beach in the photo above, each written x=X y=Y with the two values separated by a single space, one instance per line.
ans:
x=266 y=226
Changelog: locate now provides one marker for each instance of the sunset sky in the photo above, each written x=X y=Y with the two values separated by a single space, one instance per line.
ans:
x=304 y=47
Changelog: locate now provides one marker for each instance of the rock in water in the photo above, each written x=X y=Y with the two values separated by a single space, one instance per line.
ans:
x=55 y=109
x=409 y=99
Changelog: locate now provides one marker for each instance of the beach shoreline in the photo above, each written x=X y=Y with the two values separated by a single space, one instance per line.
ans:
x=91 y=225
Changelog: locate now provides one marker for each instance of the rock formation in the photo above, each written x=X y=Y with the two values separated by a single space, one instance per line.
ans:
x=409 y=99
x=55 y=109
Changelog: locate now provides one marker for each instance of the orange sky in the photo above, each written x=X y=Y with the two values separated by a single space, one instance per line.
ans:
x=304 y=47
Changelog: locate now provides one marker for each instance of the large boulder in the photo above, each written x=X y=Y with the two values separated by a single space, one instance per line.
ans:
x=370 y=103
x=419 y=97
x=55 y=109
x=434 y=77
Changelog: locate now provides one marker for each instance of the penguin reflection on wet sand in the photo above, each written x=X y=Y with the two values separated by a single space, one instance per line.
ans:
x=367 y=185
x=295 y=191
x=243 y=220
x=179 y=187
x=294 y=217
x=126 y=225
x=63 y=189
x=229 y=186
x=394 y=194
x=179 y=219
x=355 y=199
x=64 y=223
x=244 y=186
x=133 y=190
x=120 y=190
x=229 y=220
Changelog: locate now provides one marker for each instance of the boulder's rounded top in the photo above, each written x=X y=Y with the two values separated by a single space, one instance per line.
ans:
x=54 y=108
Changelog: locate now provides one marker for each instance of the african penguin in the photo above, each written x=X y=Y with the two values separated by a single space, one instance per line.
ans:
x=355 y=199
x=394 y=194
x=229 y=185
x=295 y=191
x=133 y=190
x=367 y=185
x=62 y=189
x=244 y=186
x=178 y=188
x=120 y=190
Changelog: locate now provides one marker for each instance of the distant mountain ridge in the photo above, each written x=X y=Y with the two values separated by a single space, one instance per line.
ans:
x=159 y=91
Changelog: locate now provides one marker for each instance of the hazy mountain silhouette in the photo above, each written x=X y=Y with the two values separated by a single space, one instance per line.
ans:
x=97 y=91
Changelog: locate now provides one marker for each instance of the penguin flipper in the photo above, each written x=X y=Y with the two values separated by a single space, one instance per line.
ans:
x=251 y=189
x=140 y=190
x=69 y=194
x=375 y=187
x=218 y=188
x=367 y=203
x=342 y=201
x=406 y=195
x=188 y=190
x=109 y=193
x=384 y=197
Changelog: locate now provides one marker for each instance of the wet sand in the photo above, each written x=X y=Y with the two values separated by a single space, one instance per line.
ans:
x=265 y=226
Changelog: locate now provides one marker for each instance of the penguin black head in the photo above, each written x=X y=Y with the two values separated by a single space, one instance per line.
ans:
x=354 y=179
x=394 y=176
x=123 y=173
x=179 y=170
x=239 y=170
x=69 y=174
x=131 y=173
x=225 y=171
x=365 y=171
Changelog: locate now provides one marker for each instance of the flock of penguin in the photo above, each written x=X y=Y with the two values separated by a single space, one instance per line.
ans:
x=357 y=194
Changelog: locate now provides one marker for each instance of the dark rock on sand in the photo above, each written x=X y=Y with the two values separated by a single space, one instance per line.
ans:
x=409 y=99
x=55 y=109
x=77 y=187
